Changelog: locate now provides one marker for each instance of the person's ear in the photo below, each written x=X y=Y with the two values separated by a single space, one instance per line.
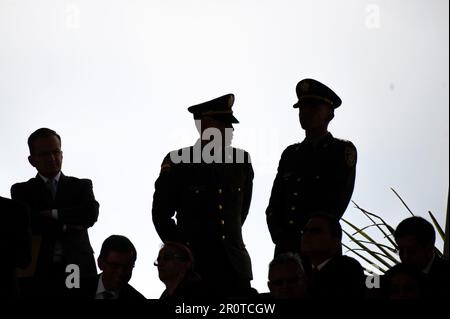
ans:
x=31 y=160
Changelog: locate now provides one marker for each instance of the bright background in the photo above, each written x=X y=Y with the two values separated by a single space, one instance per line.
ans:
x=114 y=79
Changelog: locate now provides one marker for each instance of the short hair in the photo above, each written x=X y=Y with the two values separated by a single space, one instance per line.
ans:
x=285 y=258
x=418 y=227
x=181 y=249
x=333 y=223
x=40 y=133
x=117 y=243
x=417 y=275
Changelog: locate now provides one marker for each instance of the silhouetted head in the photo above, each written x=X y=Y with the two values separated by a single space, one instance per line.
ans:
x=403 y=282
x=287 y=279
x=415 y=238
x=215 y=117
x=117 y=258
x=316 y=103
x=45 y=152
x=321 y=237
x=174 y=261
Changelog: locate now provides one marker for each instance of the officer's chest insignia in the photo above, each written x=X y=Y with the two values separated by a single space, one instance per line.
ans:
x=350 y=156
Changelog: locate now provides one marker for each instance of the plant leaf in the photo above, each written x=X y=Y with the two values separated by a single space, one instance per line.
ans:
x=386 y=253
x=437 y=226
x=368 y=250
x=401 y=199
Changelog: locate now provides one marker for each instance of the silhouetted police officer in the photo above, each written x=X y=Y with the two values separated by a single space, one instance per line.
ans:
x=209 y=186
x=315 y=175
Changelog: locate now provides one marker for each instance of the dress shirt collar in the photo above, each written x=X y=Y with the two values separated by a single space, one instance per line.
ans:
x=56 y=178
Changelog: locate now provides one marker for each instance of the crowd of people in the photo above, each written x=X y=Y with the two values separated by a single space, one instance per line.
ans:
x=202 y=198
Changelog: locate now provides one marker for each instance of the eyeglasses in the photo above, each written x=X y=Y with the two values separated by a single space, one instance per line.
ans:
x=169 y=257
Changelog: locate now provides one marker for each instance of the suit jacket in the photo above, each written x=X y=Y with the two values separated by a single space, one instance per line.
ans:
x=211 y=202
x=310 y=179
x=438 y=279
x=341 y=278
x=88 y=290
x=76 y=205
x=15 y=244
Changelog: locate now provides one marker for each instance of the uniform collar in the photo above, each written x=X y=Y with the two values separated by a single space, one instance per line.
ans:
x=324 y=141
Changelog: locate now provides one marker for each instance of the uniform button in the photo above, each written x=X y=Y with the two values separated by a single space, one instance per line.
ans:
x=220 y=191
x=223 y=237
x=222 y=222
x=295 y=194
x=220 y=207
x=239 y=189
x=293 y=208
x=291 y=222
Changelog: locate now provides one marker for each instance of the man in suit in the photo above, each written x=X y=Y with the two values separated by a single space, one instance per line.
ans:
x=62 y=210
x=315 y=175
x=209 y=187
x=332 y=276
x=15 y=245
x=116 y=260
x=415 y=238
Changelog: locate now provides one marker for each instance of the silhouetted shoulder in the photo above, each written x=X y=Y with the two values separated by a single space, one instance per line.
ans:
x=83 y=181
x=23 y=185
x=348 y=151
x=176 y=157
x=130 y=293
x=292 y=149
x=241 y=154
x=343 y=143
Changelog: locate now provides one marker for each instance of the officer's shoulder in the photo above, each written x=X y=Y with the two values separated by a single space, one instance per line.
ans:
x=291 y=149
x=240 y=150
x=241 y=153
x=343 y=143
x=175 y=157
x=178 y=152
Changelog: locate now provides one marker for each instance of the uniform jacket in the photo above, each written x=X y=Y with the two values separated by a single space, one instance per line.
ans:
x=310 y=179
x=210 y=201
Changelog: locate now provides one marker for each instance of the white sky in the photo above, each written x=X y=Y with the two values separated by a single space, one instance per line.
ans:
x=114 y=78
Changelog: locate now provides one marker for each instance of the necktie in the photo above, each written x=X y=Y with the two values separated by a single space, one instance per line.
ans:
x=51 y=184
